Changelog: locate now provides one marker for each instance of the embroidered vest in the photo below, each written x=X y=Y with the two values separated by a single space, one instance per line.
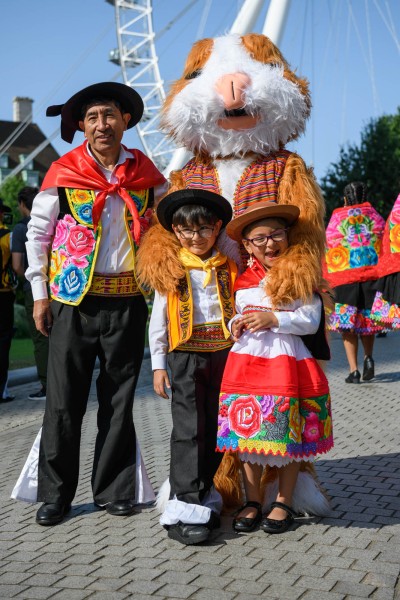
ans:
x=259 y=180
x=207 y=337
x=75 y=244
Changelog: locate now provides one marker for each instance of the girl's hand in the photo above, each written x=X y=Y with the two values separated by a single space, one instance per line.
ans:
x=237 y=329
x=160 y=382
x=259 y=320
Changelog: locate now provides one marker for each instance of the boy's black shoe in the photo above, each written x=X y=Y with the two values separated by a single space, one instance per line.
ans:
x=40 y=395
x=188 y=534
x=354 y=377
x=369 y=368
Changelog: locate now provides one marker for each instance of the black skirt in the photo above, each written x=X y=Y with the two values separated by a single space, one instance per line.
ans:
x=361 y=295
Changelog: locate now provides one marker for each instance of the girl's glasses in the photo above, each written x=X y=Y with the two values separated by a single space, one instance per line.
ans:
x=261 y=240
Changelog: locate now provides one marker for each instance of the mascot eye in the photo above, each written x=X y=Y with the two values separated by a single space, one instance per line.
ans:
x=274 y=65
x=193 y=74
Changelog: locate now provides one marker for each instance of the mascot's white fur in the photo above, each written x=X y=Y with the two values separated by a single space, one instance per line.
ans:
x=235 y=108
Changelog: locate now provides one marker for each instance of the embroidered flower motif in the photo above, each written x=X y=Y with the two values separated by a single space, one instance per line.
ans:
x=245 y=416
x=84 y=212
x=311 y=430
x=267 y=404
x=81 y=196
x=80 y=241
x=337 y=259
x=61 y=232
x=223 y=427
x=71 y=284
x=363 y=256
x=395 y=239
x=295 y=423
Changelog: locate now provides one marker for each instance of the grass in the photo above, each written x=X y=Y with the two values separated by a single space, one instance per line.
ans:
x=21 y=354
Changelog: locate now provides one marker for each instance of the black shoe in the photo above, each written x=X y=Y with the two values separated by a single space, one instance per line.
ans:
x=121 y=508
x=214 y=521
x=279 y=526
x=40 y=395
x=188 y=534
x=51 y=514
x=354 y=377
x=7 y=399
x=247 y=524
x=369 y=368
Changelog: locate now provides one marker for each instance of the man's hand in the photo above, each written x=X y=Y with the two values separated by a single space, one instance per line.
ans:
x=160 y=382
x=237 y=329
x=42 y=316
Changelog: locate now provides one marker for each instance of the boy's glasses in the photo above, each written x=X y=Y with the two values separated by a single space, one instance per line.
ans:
x=261 y=240
x=188 y=234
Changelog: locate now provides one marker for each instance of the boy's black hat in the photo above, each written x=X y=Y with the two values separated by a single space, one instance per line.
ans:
x=71 y=110
x=195 y=196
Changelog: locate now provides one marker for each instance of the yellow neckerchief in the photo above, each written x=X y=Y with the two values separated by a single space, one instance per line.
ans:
x=180 y=303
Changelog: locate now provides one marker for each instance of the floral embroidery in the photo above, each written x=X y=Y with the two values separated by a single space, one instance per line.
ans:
x=273 y=424
x=354 y=238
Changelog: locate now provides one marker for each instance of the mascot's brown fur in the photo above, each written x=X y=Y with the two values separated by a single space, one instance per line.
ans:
x=235 y=107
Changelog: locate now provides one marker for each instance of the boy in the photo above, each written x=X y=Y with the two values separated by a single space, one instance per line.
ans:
x=192 y=306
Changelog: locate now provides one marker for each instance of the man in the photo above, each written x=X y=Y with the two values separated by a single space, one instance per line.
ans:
x=8 y=282
x=20 y=263
x=93 y=204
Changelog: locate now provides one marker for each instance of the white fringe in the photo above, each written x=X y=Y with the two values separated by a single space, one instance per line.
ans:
x=308 y=497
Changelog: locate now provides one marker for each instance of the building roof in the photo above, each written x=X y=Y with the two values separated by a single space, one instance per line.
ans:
x=25 y=143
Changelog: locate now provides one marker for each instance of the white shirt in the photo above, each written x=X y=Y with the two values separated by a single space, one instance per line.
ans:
x=114 y=253
x=206 y=309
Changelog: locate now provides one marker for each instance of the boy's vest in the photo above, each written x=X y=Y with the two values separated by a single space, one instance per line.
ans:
x=75 y=246
x=207 y=337
x=8 y=277
x=258 y=182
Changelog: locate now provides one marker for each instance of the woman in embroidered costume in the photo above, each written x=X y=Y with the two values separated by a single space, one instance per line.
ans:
x=274 y=403
x=192 y=306
x=386 y=307
x=354 y=238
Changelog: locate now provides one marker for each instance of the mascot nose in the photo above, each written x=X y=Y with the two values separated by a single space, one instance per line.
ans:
x=232 y=87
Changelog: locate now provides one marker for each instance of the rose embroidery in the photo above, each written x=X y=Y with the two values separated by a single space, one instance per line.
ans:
x=245 y=416
x=80 y=241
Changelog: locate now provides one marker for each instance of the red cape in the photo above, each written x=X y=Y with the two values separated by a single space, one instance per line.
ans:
x=77 y=169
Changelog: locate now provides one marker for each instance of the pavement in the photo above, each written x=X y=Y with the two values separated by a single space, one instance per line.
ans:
x=353 y=553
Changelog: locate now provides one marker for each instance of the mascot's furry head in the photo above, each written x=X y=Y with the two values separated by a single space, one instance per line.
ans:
x=237 y=95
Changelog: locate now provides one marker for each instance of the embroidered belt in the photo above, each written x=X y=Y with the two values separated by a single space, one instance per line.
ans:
x=119 y=285
x=208 y=337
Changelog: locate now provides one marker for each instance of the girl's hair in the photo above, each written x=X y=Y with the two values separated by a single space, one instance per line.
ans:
x=355 y=193
x=251 y=226
x=193 y=214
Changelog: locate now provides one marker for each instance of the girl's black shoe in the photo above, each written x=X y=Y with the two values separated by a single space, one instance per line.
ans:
x=369 y=368
x=246 y=524
x=275 y=526
x=354 y=377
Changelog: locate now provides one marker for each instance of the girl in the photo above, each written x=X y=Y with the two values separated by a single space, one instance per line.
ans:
x=274 y=402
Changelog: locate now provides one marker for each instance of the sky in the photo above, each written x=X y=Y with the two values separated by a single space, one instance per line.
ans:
x=349 y=50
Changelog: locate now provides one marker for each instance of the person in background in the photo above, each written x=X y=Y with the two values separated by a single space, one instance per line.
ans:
x=354 y=238
x=8 y=283
x=20 y=264
x=84 y=231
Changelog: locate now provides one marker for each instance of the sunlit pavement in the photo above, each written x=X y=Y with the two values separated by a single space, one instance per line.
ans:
x=355 y=553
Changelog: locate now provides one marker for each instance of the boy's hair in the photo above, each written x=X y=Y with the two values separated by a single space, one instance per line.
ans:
x=27 y=195
x=193 y=214
x=251 y=226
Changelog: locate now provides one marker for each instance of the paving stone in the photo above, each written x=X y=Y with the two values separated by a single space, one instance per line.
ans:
x=177 y=591
x=40 y=593
x=359 y=590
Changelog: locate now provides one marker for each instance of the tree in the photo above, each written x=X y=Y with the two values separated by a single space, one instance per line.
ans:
x=376 y=161
x=9 y=192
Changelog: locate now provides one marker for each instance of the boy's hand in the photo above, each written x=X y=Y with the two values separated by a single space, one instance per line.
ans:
x=237 y=329
x=160 y=382
x=259 y=320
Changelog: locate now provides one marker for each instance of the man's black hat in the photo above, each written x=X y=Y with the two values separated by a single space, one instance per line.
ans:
x=71 y=111
x=193 y=196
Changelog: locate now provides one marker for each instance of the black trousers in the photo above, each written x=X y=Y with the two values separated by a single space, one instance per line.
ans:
x=112 y=329
x=7 y=300
x=195 y=383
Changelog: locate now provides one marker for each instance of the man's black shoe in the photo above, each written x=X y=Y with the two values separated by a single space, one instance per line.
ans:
x=121 y=508
x=40 y=395
x=188 y=534
x=51 y=514
x=7 y=399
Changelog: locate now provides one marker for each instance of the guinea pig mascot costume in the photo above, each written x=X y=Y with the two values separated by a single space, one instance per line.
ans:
x=235 y=107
